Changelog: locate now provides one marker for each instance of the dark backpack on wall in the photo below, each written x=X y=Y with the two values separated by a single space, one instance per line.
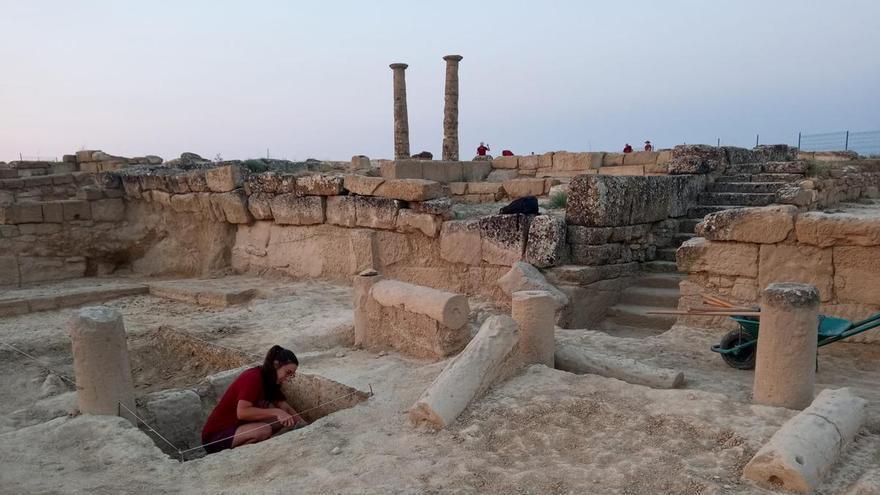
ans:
x=527 y=205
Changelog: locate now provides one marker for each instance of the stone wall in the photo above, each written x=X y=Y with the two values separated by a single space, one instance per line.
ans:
x=741 y=251
x=833 y=183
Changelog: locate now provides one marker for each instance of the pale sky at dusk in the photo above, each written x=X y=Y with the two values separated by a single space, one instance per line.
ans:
x=311 y=79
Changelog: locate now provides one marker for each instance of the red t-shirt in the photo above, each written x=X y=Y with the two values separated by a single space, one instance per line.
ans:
x=481 y=151
x=248 y=386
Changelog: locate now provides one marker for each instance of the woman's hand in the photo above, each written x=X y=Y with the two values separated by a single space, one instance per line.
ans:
x=285 y=418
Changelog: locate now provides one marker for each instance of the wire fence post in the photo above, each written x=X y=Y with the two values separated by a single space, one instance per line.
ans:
x=719 y=143
x=757 y=139
x=846 y=142
x=799 y=140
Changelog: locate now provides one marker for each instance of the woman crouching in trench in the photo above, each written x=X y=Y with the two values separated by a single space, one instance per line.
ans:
x=253 y=407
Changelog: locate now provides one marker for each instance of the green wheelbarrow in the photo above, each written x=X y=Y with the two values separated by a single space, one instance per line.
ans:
x=738 y=348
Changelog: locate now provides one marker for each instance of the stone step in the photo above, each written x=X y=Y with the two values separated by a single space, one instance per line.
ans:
x=743 y=199
x=735 y=178
x=777 y=177
x=661 y=280
x=660 y=266
x=628 y=332
x=688 y=224
x=703 y=210
x=796 y=167
x=680 y=238
x=635 y=315
x=745 y=187
x=745 y=168
x=666 y=254
x=650 y=296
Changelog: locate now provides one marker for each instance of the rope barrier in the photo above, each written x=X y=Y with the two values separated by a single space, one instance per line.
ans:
x=47 y=368
x=142 y=421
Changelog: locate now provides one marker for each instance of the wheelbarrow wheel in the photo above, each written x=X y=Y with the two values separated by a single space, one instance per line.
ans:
x=745 y=358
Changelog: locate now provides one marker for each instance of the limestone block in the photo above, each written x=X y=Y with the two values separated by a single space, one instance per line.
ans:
x=460 y=242
x=797 y=263
x=528 y=162
x=503 y=238
x=287 y=185
x=475 y=171
x=581 y=360
x=401 y=169
x=585 y=275
x=623 y=170
x=21 y=213
x=546 y=241
x=566 y=161
x=9 y=276
x=183 y=203
x=161 y=197
x=319 y=185
x=435 y=171
x=132 y=186
x=583 y=254
x=266 y=182
x=177 y=184
x=535 y=313
x=362 y=184
x=441 y=207
x=525 y=277
x=799 y=455
x=494 y=188
x=108 y=210
x=410 y=221
x=724 y=258
x=856 y=272
x=374 y=212
x=359 y=162
x=508 y=162
x=84 y=155
x=467 y=376
x=501 y=175
x=764 y=225
x=695 y=159
x=598 y=201
x=454 y=172
x=787 y=167
x=518 y=188
x=838 y=229
x=225 y=178
x=657 y=169
x=458 y=188
x=449 y=309
x=154 y=181
x=545 y=160
x=76 y=210
x=612 y=159
x=260 y=205
x=578 y=234
x=411 y=189
x=341 y=211
x=290 y=209
x=234 y=205
x=640 y=158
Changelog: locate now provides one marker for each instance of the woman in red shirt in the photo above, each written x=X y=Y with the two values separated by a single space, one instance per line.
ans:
x=253 y=408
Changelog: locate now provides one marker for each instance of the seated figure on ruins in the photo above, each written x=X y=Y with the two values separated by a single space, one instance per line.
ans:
x=627 y=148
x=482 y=149
x=254 y=408
x=649 y=146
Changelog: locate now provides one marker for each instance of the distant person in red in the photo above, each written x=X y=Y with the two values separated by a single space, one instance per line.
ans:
x=627 y=148
x=506 y=153
x=482 y=149
x=649 y=146
x=253 y=408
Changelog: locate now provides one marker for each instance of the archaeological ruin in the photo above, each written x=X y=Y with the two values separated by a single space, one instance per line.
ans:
x=444 y=346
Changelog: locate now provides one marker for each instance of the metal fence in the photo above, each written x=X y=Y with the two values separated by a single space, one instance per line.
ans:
x=865 y=143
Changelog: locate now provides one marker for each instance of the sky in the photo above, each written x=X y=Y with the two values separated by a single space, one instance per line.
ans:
x=301 y=80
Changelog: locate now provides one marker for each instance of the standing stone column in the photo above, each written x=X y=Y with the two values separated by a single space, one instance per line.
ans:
x=535 y=313
x=401 y=121
x=361 y=286
x=785 y=368
x=100 y=362
x=450 y=109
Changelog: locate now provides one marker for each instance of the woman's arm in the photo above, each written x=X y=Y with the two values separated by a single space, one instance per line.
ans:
x=284 y=406
x=246 y=411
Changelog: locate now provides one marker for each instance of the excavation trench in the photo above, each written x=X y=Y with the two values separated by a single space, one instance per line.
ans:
x=178 y=414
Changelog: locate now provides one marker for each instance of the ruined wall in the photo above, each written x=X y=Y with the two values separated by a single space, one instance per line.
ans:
x=833 y=183
x=739 y=252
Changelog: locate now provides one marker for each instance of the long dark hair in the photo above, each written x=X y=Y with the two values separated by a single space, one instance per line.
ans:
x=282 y=356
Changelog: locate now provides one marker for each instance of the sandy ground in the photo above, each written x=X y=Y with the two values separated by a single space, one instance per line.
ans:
x=543 y=431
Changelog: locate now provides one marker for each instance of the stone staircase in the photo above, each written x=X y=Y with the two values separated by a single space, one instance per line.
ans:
x=753 y=184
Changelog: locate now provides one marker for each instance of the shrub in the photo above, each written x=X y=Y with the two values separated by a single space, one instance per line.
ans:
x=256 y=165
x=558 y=200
